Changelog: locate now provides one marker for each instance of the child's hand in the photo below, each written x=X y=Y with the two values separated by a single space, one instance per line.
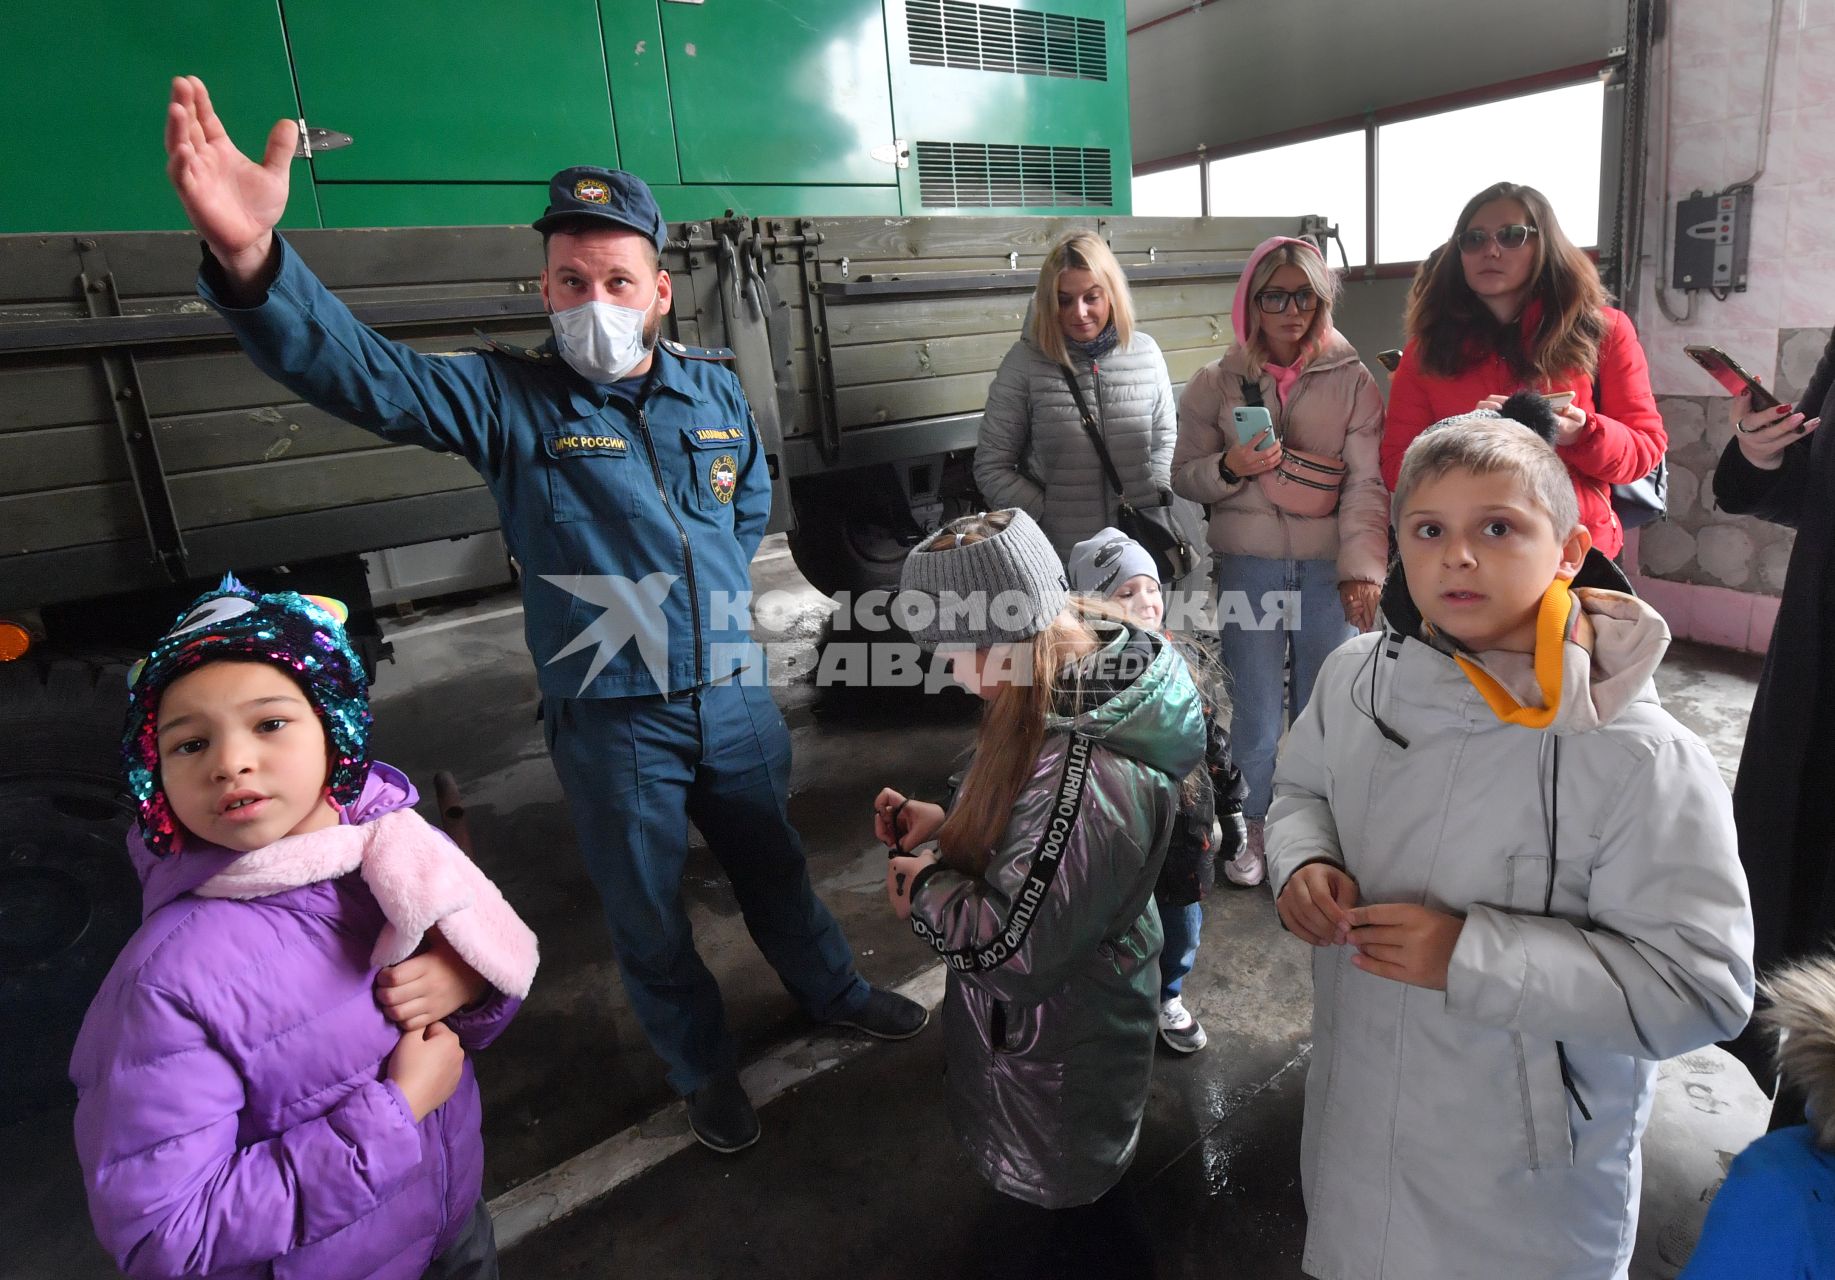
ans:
x=900 y=873
x=1315 y=903
x=1405 y=942
x=426 y=1066
x=903 y=822
x=425 y=988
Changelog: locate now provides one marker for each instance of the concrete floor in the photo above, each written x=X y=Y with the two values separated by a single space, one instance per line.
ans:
x=857 y=1174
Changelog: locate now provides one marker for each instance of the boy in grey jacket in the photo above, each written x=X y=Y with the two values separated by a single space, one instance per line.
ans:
x=1521 y=877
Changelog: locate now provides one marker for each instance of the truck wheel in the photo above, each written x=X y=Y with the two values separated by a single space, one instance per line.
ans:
x=852 y=532
x=69 y=899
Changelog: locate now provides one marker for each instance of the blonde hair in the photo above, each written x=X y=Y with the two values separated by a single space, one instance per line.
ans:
x=1080 y=250
x=1012 y=729
x=1490 y=446
x=1802 y=1006
x=1320 y=278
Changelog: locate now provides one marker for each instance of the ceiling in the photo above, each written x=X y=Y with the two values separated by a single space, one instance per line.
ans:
x=1235 y=70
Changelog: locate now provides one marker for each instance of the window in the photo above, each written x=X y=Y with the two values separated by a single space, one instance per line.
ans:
x=1323 y=176
x=1171 y=193
x=1428 y=168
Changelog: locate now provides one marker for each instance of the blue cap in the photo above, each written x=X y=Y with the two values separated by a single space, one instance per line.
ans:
x=620 y=198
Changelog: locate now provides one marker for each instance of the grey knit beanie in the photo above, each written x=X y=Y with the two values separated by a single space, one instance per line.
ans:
x=1003 y=589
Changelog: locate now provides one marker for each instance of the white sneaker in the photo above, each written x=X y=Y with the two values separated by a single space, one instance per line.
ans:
x=1248 y=867
x=1179 y=1029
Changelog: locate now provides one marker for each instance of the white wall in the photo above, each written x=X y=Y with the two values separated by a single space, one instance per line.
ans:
x=1734 y=566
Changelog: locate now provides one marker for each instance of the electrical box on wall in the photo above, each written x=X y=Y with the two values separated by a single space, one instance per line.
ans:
x=1712 y=235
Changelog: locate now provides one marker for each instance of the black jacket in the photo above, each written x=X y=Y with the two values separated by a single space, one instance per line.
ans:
x=1784 y=801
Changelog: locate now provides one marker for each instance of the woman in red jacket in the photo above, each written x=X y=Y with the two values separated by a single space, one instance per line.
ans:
x=1510 y=303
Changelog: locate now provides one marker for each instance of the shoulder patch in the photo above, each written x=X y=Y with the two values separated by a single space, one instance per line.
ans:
x=509 y=350
x=687 y=352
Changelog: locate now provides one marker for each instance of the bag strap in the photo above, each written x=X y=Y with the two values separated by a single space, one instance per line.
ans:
x=1046 y=859
x=1252 y=398
x=1094 y=432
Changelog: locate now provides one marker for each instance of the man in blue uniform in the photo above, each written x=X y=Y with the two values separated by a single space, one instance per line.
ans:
x=632 y=488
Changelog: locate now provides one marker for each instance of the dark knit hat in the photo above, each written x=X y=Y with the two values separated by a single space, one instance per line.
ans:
x=1000 y=590
x=302 y=635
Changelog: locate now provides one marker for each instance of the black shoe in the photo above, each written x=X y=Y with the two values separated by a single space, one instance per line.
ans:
x=721 y=1116
x=887 y=1015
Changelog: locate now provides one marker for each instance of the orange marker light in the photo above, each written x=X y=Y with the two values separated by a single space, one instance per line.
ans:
x=14 y=641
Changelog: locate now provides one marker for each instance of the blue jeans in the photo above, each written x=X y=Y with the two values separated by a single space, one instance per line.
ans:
x=1180 y=952
x=1256 y=633
x=635 y=771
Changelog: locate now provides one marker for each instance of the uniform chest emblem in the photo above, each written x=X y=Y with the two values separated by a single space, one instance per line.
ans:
x=592 y=191
x=723 y=476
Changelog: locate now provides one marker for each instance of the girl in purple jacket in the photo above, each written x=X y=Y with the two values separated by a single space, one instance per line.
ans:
x=273 y=1078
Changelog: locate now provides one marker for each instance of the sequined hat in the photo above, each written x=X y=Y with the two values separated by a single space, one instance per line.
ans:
x=302 y=635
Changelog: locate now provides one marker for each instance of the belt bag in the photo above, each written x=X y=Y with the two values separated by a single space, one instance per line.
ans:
x=1153 y=527
x=1304 y=483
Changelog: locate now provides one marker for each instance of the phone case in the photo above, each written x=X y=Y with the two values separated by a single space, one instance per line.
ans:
x=1725 y=370
x=1255 y=425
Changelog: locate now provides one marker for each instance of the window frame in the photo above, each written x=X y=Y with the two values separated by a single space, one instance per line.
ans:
x=1369 y=123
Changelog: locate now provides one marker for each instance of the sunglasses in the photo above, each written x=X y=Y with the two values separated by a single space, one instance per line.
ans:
x=1474 y=239
x=1274 y=301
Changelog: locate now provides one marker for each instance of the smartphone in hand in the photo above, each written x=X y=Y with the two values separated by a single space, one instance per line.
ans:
x=1559 y=400
x=1725 y=370
x=1256 y=425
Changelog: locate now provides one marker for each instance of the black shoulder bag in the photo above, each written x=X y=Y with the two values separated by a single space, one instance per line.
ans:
x=1152 y=527
x=1642 y=501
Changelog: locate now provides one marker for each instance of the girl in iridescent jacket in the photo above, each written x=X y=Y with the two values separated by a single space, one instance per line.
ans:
x=1036 y=885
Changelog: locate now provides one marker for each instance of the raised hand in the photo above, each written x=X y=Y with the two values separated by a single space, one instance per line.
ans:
x=233 y=202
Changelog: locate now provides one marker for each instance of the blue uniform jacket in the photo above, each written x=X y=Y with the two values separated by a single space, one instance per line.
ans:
x=634 y=523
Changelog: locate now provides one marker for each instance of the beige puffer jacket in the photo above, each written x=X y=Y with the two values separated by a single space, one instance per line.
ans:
x=1333 y=409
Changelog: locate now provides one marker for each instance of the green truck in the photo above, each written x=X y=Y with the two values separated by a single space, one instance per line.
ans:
x=815 y=172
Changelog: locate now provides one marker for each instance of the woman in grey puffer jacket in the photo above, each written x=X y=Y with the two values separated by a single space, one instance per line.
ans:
x=1037 y=887
x=1033 y=451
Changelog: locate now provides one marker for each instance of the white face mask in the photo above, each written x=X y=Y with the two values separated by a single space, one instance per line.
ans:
x=601 y=341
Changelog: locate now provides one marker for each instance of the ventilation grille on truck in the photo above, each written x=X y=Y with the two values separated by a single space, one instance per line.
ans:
x=987 y=37
x=954 y=175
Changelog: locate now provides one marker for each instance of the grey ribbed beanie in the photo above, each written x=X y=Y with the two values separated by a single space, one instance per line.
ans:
x=1003 y=589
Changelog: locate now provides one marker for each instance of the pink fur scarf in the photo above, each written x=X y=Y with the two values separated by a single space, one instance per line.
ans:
x=419 y=878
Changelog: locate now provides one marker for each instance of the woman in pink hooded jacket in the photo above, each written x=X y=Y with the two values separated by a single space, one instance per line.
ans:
x=273 y=1079
x=1285 y=581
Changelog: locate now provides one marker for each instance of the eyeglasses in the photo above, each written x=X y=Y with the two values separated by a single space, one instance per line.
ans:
x=1514 y=236
x=1274 y=301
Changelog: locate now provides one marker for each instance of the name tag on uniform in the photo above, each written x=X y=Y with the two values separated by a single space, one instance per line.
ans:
x=586 y=446
x=718 y=435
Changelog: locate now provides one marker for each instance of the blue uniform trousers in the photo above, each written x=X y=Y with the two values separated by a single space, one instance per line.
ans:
x=635 y=771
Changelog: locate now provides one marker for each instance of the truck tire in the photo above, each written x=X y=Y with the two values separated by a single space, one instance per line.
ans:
x=852 y=532
x=69 y=898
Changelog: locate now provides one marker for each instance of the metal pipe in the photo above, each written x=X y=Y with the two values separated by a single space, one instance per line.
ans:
x=452 y=811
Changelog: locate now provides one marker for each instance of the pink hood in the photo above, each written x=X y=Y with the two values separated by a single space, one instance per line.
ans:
x=1239 y=309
